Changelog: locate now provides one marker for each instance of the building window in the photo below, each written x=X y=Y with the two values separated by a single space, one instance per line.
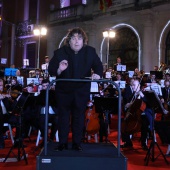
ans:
x=167 y=50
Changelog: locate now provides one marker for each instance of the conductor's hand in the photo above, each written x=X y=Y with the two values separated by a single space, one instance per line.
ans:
x=95 y=77
x=62 y=66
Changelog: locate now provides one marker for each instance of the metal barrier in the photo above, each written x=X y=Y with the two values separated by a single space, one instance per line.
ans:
x=83 y=80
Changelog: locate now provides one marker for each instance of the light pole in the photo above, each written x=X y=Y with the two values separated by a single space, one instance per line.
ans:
x=108 y=34
x=39 y=31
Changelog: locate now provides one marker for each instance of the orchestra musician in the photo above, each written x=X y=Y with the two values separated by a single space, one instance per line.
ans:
x=166 y=95
x=44 y=66
x=145 y=115
x=37 y=73
x=6 y=106
x=53 y=116
x=118 y=62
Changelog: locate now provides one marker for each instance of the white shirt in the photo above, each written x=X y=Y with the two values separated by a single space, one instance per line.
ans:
x=4 y=111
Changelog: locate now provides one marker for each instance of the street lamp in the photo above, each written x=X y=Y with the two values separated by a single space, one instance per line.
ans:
x=108 y=34
x=39 y=31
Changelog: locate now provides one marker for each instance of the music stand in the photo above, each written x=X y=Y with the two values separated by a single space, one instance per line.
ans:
x=105 y=106
x=18 y=109
x=156 y=106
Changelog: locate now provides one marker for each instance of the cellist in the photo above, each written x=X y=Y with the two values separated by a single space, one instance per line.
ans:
x=145 y=118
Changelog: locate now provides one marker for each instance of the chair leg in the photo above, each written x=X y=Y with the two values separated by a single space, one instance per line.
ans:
x=96 y=137
x=168 y=149
x=11 y=135
x=38 y=137
x=29 y=133
x=56 y=135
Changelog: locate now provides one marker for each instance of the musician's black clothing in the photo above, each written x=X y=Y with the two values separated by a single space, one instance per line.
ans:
x=5 y=118
x=145 y=122
x=163 y=129
x=127 y=94
x=30 y=114
x=52 y=116
x=72 y=97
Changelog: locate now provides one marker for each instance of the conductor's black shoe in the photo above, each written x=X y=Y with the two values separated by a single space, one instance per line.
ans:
x=126 y=145
x=61 y=147
x=77 y=147
x=144 y=147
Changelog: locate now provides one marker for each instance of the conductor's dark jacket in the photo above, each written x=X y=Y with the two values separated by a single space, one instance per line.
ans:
x=79 y=67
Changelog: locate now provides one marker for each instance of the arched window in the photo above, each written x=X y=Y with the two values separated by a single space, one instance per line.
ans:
x=167 y=50
x=124 y=45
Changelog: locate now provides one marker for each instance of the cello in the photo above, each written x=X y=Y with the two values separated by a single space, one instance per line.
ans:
x=132 y=119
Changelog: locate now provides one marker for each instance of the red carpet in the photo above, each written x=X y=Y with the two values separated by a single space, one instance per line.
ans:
x=135 y=156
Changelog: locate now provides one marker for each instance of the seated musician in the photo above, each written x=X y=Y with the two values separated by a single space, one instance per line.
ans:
x=162 y=126
x=166 y=96
x=37 y=73
x=52 y=117
x=13 y=82
x=167 y=77
x=5 y=117
x=118 y=77
x=152 y=79
x=30 y=115
x=146 y=119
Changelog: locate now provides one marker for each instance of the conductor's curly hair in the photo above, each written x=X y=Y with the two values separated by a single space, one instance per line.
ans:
x=73 y=31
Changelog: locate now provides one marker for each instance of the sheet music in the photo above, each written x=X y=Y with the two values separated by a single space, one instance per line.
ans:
x=32 y=81
x=121 y=67
x=44 y=66
x=26 y=62
x=94 y=87
x=131 y=73
x=154 y=87
x=121 y=84
x=3 y=60
x=108 y=75
x=20 y=80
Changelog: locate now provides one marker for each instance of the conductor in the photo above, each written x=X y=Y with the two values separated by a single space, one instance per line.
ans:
x=74 y=60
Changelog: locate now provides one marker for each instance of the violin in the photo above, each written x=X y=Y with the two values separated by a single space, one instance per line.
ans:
x=3 y=95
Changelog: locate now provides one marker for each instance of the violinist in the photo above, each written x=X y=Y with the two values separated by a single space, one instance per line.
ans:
x=145 y=118
x=5 y=108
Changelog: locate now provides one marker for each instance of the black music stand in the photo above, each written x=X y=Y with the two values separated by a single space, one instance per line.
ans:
x=18 y=109
x=105 y=106
x=155 y=104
